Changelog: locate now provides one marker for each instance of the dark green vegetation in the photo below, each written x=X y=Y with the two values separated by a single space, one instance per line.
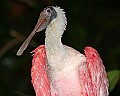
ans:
x=90 y=22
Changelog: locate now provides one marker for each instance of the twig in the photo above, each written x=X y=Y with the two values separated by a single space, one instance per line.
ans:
x=17 y=39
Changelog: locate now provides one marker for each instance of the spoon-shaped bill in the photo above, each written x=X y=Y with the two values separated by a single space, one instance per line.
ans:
x=41 y=24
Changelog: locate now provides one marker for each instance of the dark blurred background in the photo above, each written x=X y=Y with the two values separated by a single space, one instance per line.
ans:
x=93 y=23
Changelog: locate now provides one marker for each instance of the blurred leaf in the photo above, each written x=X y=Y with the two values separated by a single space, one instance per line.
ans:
x=113 y=77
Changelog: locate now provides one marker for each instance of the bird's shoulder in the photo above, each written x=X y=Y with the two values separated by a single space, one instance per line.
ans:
x=74 y=58
x=73 y=53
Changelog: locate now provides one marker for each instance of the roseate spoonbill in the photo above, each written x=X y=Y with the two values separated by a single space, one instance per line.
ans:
x=59 y=70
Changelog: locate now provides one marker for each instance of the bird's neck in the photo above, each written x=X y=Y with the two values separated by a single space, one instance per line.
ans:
x=53 y=44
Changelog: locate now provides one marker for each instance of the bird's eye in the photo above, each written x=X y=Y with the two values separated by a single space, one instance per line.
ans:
x=48 y=10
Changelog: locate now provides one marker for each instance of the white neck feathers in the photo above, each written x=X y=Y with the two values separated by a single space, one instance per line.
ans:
x=54 y=33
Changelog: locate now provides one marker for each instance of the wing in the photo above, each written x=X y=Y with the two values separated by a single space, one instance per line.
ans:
x=96 y=73
x=38 y=72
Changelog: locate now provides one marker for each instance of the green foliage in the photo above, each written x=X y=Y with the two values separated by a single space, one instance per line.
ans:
x=113 y=77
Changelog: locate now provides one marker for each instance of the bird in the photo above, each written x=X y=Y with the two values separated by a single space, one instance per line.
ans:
x=60 y=70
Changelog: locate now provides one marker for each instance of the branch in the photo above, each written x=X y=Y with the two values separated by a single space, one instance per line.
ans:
x=17 y=39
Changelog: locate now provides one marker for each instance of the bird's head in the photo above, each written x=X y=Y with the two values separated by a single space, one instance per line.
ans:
x=48 y=17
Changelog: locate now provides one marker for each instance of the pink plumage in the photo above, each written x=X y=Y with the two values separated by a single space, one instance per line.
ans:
x=92 y=77
x=59 y=70
x=38 y=72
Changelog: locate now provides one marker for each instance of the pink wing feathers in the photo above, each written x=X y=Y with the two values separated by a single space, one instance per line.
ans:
x=93 y=78
x=96 y=74
x=38 y=72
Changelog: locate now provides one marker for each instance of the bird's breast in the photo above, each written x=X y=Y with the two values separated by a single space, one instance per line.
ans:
x=63 y=71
